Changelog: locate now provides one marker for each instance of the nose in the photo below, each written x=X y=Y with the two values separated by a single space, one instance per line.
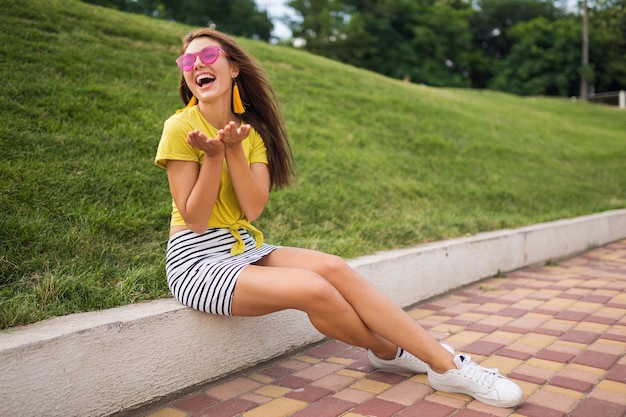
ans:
x=197 y=61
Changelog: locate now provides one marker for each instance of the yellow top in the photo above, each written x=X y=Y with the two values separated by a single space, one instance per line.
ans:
x=227 y=211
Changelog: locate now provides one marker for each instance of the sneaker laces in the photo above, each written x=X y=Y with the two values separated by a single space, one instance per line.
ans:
x=476 y=373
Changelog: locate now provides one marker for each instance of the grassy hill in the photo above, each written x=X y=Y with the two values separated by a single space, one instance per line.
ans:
x=381 y=164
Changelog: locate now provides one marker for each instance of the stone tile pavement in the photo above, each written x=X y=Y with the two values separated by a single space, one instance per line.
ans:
x=558 y=330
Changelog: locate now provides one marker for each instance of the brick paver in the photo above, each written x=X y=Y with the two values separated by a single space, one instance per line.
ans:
x=559 y=331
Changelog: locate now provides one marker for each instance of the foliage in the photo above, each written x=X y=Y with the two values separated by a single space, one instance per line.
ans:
x=490 y=27
x=237 y=17
x=381 y=164
x=424 y=41
x=462 y=43
x=608 y=52
x=543 y=59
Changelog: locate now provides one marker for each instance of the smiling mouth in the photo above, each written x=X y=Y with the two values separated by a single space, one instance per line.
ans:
x=204 y=79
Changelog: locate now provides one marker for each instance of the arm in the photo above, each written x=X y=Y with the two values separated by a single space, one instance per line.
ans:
x=250 y=181
x=193 y=187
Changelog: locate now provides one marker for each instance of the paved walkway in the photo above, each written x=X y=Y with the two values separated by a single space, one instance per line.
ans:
x=557 y=330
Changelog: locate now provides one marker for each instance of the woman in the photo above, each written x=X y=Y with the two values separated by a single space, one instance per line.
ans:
x=224 y=153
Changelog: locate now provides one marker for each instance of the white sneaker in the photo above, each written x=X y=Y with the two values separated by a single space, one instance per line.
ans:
x=486 y=385
x=403 y=361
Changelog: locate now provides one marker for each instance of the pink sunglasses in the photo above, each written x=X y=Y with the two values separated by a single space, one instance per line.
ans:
x=208 y=56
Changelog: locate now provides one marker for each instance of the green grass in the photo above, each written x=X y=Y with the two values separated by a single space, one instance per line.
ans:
x=381 y=164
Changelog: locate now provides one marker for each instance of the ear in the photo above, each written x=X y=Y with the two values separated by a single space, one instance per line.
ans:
x=234 y=71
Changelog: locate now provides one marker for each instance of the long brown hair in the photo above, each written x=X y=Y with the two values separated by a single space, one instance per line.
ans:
x=260 y=102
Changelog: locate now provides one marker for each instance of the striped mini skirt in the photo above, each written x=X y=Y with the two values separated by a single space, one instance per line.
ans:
x=201 y=272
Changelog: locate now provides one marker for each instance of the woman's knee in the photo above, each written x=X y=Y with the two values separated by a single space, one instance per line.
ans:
x=333 y=265
x=321 y=294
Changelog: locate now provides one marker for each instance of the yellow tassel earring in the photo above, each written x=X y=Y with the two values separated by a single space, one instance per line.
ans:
x=237 y=103
x=191 y=103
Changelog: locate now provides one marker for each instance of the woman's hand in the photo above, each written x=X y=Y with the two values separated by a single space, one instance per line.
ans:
x=231 y=136
x=212 y=147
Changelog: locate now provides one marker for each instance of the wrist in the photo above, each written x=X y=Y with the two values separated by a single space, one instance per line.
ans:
x=217 y=156
x=233 y=149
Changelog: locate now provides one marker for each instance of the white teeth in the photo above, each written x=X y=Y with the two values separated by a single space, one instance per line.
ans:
x=203 y=79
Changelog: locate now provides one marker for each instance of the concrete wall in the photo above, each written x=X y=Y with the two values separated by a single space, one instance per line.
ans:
x=100 y=363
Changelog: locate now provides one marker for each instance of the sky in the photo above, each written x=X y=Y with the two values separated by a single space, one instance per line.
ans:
x=276 y=9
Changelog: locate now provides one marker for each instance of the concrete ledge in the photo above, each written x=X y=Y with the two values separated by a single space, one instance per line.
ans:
x=100 y=363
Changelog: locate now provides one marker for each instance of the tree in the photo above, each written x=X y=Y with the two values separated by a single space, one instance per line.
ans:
x=425 y=41
x=585 y=73
x=322 y=22
x=236 y=17
x=490 y=27
x=607 y=32
x=544 y=59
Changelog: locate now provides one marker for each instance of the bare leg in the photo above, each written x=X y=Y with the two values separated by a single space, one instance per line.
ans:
x=262 y=290
x=359 y=313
